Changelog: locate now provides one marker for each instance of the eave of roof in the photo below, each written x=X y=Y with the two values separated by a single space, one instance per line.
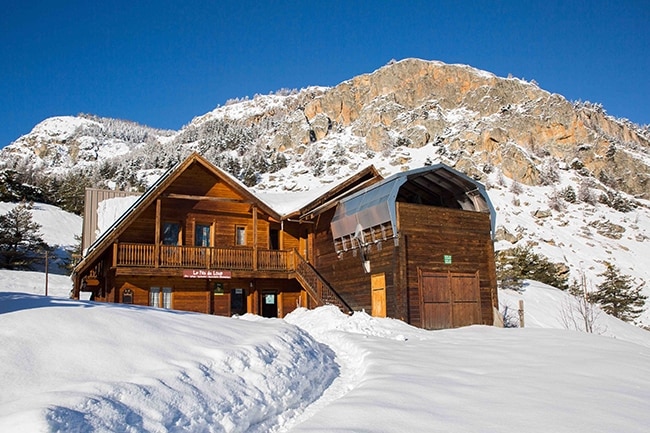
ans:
x=109 y=236
x=364 y=178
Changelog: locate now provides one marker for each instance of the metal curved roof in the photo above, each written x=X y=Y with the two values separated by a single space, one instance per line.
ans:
x=436 y=185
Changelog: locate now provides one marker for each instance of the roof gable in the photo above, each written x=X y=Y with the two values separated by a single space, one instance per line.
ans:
x=193 y=177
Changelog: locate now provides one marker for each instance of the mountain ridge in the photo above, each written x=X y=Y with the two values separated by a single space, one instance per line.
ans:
x=505 y=132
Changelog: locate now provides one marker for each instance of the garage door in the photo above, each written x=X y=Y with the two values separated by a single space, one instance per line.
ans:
x=449 y=300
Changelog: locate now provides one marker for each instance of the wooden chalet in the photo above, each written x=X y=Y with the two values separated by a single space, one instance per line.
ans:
x=416 y=246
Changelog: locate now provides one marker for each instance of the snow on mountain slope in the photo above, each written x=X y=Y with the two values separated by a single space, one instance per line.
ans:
x=58 y=227
x=58 y=144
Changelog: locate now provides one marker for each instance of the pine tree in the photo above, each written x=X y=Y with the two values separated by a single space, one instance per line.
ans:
x=617 y=296
x=20 y=239
x=72 y=190
x=520 y=263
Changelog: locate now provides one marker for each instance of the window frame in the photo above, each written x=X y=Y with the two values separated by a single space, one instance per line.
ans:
x=209 y=227
x=240 y=235
x=154 y=297
x=161 y=297
x=179 y=234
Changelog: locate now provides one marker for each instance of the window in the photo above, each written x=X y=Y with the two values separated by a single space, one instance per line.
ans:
x=127 y=296
x=202 y=235
x=167 y=297
x=171 y=233
x=154 y=297
x=274 y=239
x=158 y=298
x=240 y=235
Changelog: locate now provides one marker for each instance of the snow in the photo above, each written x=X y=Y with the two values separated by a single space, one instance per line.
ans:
x=82 y=366
x=90 y=367
x=110 y=210
x=571 y=236
x=61 y=127
x=58 y=228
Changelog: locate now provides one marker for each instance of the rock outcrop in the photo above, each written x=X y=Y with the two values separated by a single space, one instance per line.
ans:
x=503 y=122
x=474 y=119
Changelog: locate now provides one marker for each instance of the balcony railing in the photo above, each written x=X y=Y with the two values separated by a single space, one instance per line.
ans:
x=171 y=256
x=248 y=259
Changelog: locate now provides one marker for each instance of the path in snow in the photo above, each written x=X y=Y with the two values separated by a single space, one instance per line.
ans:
x=348 y=356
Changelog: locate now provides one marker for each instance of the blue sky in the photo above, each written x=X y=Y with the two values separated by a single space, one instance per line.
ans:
x=161 y=63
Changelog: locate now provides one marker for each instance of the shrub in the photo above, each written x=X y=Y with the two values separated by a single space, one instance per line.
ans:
x=569 y=194
x=615 y=200
x=520 y=263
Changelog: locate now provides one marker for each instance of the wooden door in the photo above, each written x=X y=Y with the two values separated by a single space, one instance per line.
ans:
x=378 y=295
x=466 y=299
x=238 y=301
x=269 y=304
x=449 y=300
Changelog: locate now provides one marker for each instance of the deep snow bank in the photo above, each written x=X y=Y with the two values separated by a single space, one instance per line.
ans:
x=80 y=366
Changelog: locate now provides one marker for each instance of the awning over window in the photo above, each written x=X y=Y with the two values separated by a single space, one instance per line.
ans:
x=369 y=216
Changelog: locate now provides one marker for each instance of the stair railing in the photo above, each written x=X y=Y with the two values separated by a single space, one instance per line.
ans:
x=317 y=287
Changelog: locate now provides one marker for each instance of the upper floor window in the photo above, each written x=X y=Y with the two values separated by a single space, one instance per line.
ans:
x=171 y=233
x=274 y=239
x=202 y=235
x=240 y=235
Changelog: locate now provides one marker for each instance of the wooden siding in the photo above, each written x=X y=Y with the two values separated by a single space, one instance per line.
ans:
x=345 y=272
x=430 y=233
x=199 y=295
x=427 y=235
x=197 y=180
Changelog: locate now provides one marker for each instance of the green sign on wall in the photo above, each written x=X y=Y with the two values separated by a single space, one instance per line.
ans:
x=447 y=259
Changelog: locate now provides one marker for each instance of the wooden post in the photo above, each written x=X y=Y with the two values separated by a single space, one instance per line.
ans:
x=47 y=259
x=521 y=313
x=157 y=235
x=254 y=238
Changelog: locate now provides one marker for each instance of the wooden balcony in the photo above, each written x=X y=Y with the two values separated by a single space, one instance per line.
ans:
x=168 y=256
x=130 y=255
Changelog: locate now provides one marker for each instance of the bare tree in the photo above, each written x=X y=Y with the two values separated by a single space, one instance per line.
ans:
x=578 y=312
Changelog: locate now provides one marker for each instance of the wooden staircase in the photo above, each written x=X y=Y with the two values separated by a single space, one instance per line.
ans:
x=317 y=287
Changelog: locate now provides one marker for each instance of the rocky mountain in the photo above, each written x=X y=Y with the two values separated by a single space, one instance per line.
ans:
x=582 y=175
x=470 y=118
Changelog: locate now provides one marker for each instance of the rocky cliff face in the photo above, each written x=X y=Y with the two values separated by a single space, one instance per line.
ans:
x=466 y=117
x=482 y=119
